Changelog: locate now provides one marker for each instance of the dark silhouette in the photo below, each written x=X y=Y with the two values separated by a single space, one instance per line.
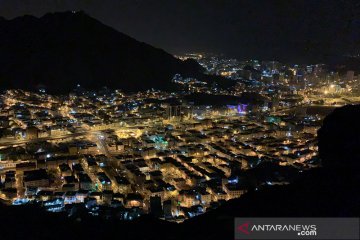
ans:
x=339 y=139
x=295 y=31
x=60 y=50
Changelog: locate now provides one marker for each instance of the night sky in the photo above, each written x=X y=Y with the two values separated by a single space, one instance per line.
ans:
x=245 y=29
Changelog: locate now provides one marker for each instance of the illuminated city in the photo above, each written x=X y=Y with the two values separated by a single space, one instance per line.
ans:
x=247 y=123
x=166 y=152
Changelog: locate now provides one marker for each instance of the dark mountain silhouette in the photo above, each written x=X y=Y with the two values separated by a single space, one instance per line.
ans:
x=61 y=50
x=339 y=139
x=331 y=191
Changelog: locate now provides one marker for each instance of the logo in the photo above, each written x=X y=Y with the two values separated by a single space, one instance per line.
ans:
x=244 y=228
x=296 y=228
x=302 y=230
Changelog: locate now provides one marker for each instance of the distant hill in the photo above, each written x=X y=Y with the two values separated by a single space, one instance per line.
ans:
x=61 y=50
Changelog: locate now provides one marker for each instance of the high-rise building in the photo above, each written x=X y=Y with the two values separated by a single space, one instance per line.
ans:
x=156 y=207
x=350 y=76
x=168 y=209
x=173 y=111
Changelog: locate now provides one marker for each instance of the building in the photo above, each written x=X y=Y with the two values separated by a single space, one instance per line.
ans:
x=350 y=76
x=168 y=209
x=156 y=207
x=36 y=178
x=32 y=133
x=234 y=190
x=173 y=111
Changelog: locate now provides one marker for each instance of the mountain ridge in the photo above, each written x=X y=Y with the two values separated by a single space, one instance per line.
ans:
x=61 y=50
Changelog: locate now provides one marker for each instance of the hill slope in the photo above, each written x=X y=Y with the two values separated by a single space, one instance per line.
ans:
x=60 y=50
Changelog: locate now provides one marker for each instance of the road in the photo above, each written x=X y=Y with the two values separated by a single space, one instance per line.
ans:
x=15 y=142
